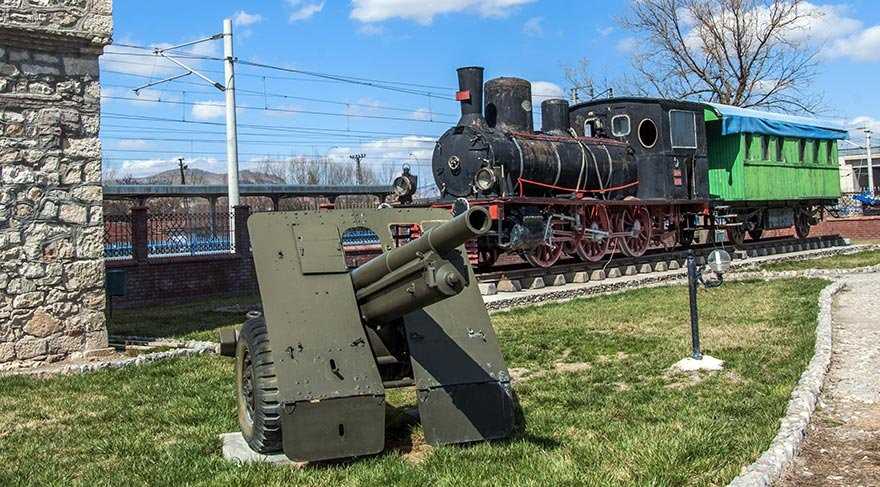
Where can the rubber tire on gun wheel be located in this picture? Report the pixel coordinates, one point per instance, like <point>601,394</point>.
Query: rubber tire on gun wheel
<point>260,421</point>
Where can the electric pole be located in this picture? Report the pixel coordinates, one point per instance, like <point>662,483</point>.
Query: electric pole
<point>870,162</point>
<point>182,167</point>
<point>357,158</point>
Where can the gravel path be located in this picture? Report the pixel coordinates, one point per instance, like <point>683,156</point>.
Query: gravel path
<point>842,446</point>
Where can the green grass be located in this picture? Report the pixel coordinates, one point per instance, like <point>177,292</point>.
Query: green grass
<point>197,320</point>
<point>847,261</point>
<point>622,421</point>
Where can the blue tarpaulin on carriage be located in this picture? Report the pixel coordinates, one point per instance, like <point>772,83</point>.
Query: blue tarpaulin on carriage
<point>736,120</point>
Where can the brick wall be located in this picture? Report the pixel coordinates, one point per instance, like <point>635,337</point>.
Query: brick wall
<point>51,230</point>
<point>174,280</point>
<point>860,228</point>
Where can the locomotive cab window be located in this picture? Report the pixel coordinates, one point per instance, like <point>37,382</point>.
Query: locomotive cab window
<point>620,125</point>
<point>683,129</point>
<point>647,133</point>
<point>588,128</point>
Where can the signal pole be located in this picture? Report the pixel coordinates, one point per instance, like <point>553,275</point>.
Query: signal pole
<point>231,127</point>
<point>357,158</point>
<point>182,167</point>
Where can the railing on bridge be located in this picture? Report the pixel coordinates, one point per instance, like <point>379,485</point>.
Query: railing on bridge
<point>188,233</point>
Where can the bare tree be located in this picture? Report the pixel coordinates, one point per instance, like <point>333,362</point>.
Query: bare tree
<point>748,53</point>
<point>583,86</point>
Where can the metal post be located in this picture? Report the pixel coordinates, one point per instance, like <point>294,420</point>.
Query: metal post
<point>231,127</point>
<point>870,163</point>
<point>693,283</point>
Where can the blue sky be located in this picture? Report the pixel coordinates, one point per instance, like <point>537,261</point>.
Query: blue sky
<point>401,41</point>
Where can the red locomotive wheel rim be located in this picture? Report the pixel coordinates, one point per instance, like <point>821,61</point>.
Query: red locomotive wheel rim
<point>636,219</point>
<point>590,249</point>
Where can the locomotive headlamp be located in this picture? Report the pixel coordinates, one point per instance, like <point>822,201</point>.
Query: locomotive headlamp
<point>484,180</point>
<point>402,186</point>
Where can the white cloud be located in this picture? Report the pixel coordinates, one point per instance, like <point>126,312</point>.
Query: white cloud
<point>130,144</point>
<point>627,45</point>
<point>364,106</point>
<point>208,110</point>
<point>371,30</point>
<point>148,167</point>
<point>545,90</point>
<point>862,46</point>
<point>605,31</point>
<point>422,114</point>
<point>533,27</point>
<point>387,151</point>
<point>857,128</point>
<point>304,10</point>
<point>244,19</point>
<point>424,11</point>
<point>145,98</point>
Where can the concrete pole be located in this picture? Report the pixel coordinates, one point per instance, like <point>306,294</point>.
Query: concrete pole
<point>231,127</point>
<point>870,163</point>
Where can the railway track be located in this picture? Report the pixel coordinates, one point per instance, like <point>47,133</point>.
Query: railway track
<point>517,277</point>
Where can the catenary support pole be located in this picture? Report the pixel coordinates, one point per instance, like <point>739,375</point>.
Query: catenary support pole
<point>870,162</point>
<point>231,127</point>
<point>693,283</point>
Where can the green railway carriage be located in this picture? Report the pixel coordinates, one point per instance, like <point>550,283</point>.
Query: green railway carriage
<point>769,170</point>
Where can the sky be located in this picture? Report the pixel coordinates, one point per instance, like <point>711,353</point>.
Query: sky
<point>410,46</point>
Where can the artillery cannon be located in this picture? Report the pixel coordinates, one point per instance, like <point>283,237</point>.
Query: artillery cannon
<point>311,373</point>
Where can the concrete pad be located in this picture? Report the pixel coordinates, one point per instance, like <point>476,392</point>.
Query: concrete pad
<point>580,277</point>
<point>488,289</point>
<point>630,270</point>
<point>751,253</point>
<point>509,286</point>
<point>692,365</point>
<point>558,280</point>
<point>597,275</point>
<point>762,252</point>
<point>740,254</point>
<point>613,273</point>
<point>660,267</point>
<point>535,283</point>
<point>674,265</point>
<point>847,241</point>
<point>235,449</point>
<point>645,268</point>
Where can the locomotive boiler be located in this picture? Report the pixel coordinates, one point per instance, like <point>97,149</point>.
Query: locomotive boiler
<point>498,152</point>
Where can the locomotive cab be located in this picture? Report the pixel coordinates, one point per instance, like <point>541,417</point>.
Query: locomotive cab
<point>667,139</point>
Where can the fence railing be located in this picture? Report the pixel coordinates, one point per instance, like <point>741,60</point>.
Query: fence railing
<point>187,233</point>
<point>117,237</point>
<point>849,206</point>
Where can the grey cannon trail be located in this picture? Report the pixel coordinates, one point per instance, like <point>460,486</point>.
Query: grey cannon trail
<point>311,373</point>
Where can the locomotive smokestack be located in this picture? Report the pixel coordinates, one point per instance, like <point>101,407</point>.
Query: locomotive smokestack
<point>509,104</point>
<point>470,94</point>
<point>554,117</point>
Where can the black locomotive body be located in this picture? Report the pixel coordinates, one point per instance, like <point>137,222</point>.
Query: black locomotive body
<point>589,183</point>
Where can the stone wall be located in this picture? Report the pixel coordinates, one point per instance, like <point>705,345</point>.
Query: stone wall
<point>51,231</point>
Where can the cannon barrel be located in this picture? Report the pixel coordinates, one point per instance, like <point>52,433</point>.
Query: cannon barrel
<point>417,274</point>
<point>440,239</point>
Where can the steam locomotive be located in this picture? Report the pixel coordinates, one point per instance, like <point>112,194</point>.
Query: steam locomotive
<point>594,181</point>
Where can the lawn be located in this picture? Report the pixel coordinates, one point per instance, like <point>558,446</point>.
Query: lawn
<point>845,261</point>
<point>197,320</point>
<point>599,406</point>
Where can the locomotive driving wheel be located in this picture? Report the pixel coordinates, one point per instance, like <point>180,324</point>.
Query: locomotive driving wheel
<point>636,222</point>
<point>592,246</point>
<point>736,235</point>
<point>547,252</point>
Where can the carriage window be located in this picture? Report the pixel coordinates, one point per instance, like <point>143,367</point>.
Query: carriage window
<point>802,150</point>
<point>765,148</point>
<point>829,152</point>
<point>647,133</point>
<point>815,144</point>
<point>683,129</point>
<point>750,139</point>
<point>779,143</point>
<point>620,125</point>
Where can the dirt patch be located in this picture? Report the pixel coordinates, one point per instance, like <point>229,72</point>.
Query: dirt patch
<point>522,374</point>
<point>617,357</point>
<point>571,367</point>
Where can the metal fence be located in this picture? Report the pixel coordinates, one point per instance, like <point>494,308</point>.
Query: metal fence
<point>849,206</point>
<point>117,237</point>
<point>187,233</point>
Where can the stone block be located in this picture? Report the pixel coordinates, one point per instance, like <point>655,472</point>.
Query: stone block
<point>558,280</point>
<point>509,286</point>
<point>42,324</point>
<point>81,66</point>
<point>8,70</point>
<point>630,270</point>
<point>488,288</point>
<point>44,57</point>
<point>73,213</point>
<point>535,282</point>
<point>645,268</point>
<point>28,300</point>
<point>580,277</point>
<point>673,265</point>
<point>597,275</point>
<point>613,272</point>
<point>236,450</point>
<point>7,352</point>
<point>38,69</point>
<point>18,55</point>
<point>101,352</point>
<point>660,267</point>
<point>31,348</point>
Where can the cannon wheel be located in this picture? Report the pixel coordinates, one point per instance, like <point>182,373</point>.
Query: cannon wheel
<point>257,388</point>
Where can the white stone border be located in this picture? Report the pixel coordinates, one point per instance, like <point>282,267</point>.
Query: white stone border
<point>193,348</point>
<point>793,426</point>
